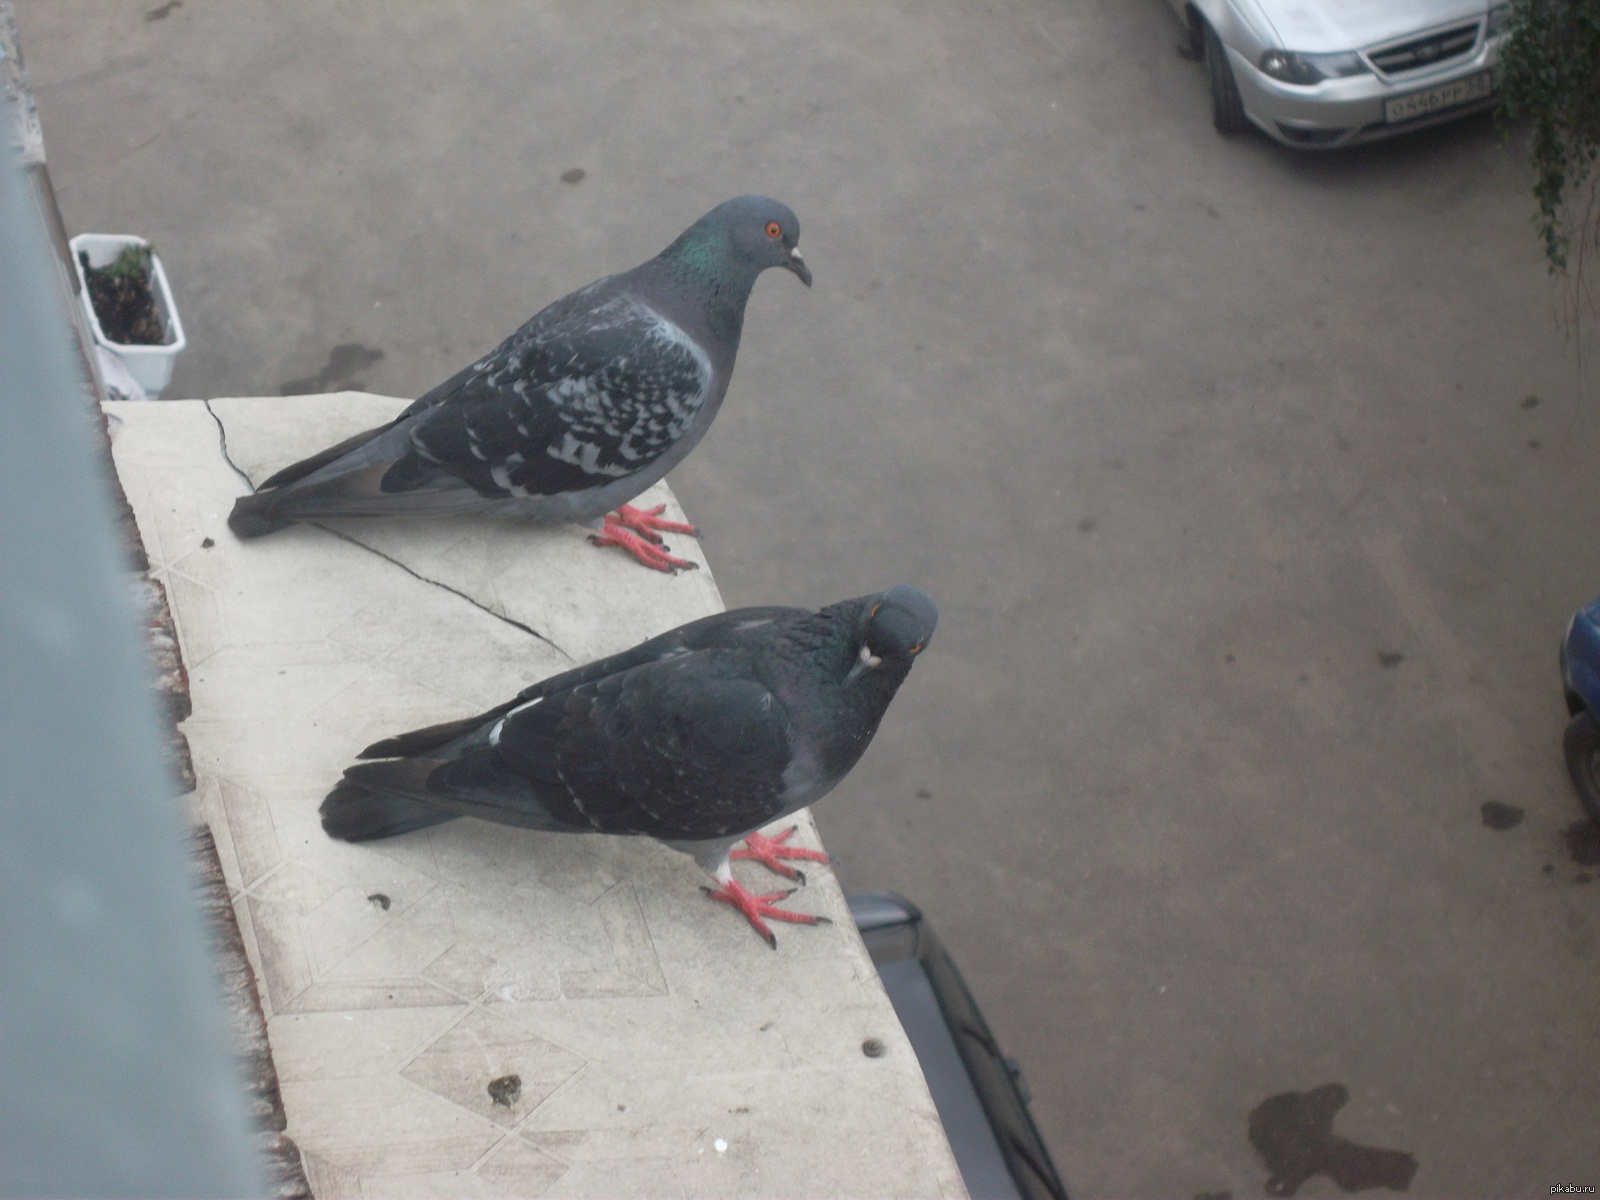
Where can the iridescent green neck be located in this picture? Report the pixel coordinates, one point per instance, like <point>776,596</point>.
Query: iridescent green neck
<point>704,262</point>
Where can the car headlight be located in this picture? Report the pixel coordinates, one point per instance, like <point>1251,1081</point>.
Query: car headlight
<point>1311,68</point>
<point>1499,20</point>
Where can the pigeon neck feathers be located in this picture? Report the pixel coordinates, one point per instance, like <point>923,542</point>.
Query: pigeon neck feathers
<point>818,653</point>
<point>703,265</point>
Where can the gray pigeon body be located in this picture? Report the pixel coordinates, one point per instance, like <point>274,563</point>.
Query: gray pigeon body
<point>592,401</point>
<point>697,737</point>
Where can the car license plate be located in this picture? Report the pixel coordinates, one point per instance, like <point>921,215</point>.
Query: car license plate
<point>1446,95</point>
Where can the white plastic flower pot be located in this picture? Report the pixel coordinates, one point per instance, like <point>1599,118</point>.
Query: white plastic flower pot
<point>150,366</point>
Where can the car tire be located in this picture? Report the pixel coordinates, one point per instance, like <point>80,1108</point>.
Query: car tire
<point>1227,109</point>
<point>1581,745</point>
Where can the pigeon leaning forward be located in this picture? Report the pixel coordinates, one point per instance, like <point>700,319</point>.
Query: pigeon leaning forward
<point>591,402</point>
<point>697,738</point>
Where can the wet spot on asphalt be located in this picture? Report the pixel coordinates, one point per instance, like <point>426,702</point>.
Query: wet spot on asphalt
<point>338,374</point>
<point>1293,1134</point>
<point>1502,816</point>
<point>1583,842</point>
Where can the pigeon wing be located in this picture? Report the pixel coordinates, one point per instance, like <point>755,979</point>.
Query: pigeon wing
<point>739,627</point>
<point>568,403</point>
<point>688,747</point>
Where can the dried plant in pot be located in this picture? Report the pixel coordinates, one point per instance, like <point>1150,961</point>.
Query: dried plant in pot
<point>129,304</point>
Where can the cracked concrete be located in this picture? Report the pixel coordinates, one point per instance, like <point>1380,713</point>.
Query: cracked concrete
<point>548,583</point>
<point>222,439</point>
<point>660,1046</point>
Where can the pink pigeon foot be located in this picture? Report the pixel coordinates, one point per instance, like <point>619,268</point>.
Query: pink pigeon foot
<point>634,529</point>
<point>754,907</point>
<point>645,521</point>
<point>769,850</point>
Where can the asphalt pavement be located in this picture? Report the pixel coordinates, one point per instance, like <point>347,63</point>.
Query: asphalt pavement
<point>1255,488</point>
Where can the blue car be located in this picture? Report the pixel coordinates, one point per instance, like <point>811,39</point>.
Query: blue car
<point>1580,679</point>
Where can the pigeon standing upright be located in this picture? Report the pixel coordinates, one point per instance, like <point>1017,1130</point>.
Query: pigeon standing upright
<point>698,737</point>
<point>591,402</point>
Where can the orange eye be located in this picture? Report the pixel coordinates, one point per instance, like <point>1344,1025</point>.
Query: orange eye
<point>774,229</point>
<point>915,649</point>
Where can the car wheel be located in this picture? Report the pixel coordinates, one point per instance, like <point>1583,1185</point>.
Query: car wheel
<point>1227,110</point>
<point>1581,743</point>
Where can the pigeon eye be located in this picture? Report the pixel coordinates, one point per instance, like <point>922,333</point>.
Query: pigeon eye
<point>774,229</point>
<point>915,649</point>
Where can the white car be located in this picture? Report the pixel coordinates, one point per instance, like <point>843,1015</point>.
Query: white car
<point>1323,73</point>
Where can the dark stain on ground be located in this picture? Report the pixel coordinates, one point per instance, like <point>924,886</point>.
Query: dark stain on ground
<point>1213,1196</point>
<point>1293,1134</point>
<point>207,543</point>
<point>1548,869</point>
<point>165,11</point>
<point>1390,658</point>
<point>379,899</point>
<point>1087,524</point>
<point>575,175</point>
<point>1530,401</point>
<point>344,363</point>
<point>506,1090</point>
<point>924,794</point>
<point>873,1048</point>
<point>1583,842</point>
<point>1502,816</point>
<point>1533,443</point>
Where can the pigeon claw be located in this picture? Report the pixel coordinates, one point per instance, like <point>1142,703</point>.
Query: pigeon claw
<point>754,907</point>
<point>645,522</point>
<point>650,552</point>
<point>769,851</point>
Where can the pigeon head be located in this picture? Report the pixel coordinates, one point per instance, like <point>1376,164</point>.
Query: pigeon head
<point>736,241</point>
<point>896,627</point>
<point>764,234</point>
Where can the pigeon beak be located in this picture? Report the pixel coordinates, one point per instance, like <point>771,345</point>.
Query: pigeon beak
<point>798,266</point>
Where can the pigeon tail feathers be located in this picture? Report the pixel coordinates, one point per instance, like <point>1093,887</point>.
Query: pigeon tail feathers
<point>419,741</point>
<point>363,808</point>
<point>295,472</point>
<point>253,517</point>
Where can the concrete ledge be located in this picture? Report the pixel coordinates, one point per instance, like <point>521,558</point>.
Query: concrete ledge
<point>660,1047</point>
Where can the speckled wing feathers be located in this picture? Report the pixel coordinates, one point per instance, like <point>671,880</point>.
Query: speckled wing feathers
<point>578,397</point>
